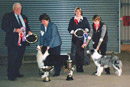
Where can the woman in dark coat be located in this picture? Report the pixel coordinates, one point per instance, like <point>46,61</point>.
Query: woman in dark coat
<point>77,52</point>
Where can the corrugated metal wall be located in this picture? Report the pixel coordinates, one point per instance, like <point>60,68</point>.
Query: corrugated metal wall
<point>60,12</point>
<point>125,30</point>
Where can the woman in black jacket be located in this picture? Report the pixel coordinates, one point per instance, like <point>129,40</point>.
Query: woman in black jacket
<point>77,52</point>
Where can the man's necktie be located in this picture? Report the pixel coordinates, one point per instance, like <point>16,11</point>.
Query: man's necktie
<point>20,23</point>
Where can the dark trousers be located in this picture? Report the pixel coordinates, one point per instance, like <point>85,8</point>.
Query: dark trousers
<point>79,56</point>
<point>102,49</point>
<point>56,51</point>
<point>73,53</point>
<point>15,56</point>
<point>75,50</point>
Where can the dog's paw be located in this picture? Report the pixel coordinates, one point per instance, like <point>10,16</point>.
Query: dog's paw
<point>97,74</point>
<point>118,73</point>
<point>43,76</point>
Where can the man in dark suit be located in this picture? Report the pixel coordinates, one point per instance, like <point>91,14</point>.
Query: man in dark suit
<point>15,24</point>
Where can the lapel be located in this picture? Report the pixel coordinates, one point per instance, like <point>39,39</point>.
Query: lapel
<point>48,27</point>
<point>24,19</point>
<point>15,20</point>
<point>48,31</point>
<point>43,27</point>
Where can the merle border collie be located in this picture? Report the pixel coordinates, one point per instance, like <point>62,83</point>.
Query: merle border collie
<point>105,61</point>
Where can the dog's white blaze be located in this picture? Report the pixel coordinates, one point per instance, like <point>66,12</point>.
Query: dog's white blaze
<point>96,55</point>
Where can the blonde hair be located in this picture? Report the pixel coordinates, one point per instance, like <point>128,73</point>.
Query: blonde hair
<point>78,8</point>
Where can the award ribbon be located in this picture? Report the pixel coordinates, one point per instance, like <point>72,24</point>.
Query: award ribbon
<point>22,36</point>
<point>85,37</point>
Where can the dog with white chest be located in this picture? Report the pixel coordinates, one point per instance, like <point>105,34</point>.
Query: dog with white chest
<point>46,61</point>
<point>105,61</point>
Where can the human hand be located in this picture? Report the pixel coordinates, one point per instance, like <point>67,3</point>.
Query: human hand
<point>72,32</point>
<point>48,47</point>
<point>83,46</point>
<point>97,48</point>
<point>18,30</point>
<point>29,32</point>
<point>86,30</point>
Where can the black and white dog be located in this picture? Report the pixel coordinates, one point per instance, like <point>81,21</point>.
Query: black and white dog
<point>105,61</point>
<point>44,60</point>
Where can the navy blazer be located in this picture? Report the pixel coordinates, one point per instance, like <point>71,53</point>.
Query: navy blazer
<point>51,37</point>
<point>9,23</point>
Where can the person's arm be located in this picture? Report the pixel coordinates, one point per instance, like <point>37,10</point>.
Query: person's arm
<point>54,33</point>
<point>88,39</point>
<point>104,29</point>
<point>27,26</point>
<point>70,27</point>
<point>5,25</point>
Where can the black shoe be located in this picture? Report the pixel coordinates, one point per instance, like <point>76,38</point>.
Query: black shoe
<point>108,73</point>
<point>79,69</point>
<point>19,75</point>
<point>11,79</point>
<point>55,75</point>
<point>107,70</point>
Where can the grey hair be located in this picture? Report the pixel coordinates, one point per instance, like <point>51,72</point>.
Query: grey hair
<point>15,4</point>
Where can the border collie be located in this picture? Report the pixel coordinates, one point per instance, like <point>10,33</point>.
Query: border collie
<point>44,59</point>
<point>105,61</point>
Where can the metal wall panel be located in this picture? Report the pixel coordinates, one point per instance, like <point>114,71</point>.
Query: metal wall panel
<point>125,30</point>
<point>60,12</point>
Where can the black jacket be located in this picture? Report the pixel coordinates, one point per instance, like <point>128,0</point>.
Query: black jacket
<point>82,24</point>
<point>9,23</point>
<point>97,34</point>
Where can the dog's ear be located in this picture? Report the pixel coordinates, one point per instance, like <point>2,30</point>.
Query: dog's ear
<point>43,49</point>
<point>92,51</point>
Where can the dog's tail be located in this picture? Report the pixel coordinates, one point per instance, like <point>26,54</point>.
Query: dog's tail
<point>118,64</point>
